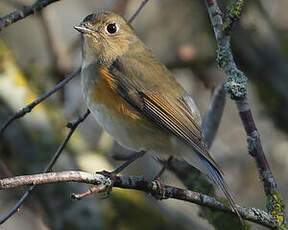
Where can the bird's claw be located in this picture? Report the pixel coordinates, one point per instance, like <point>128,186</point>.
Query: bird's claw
<point>161,194</point>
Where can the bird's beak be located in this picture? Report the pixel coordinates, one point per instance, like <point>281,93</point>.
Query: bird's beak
<point>84,30</point>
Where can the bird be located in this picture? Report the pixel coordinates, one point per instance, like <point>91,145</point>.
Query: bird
<point>137,100</point>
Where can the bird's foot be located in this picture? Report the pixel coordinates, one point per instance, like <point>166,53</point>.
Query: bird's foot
<point>161,194</point>
<point>111,175</point>
<point>164,166</point>
<point>157,180</point>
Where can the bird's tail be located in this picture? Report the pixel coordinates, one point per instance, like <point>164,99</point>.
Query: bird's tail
<point>217,178</point>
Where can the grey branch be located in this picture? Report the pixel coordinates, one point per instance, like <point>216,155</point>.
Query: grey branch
<point>138,183</point>
<point>143,3</point>
<point>213,116</point>
<point>24,12</point>
<point>28,108</point>
<point>236,86</point>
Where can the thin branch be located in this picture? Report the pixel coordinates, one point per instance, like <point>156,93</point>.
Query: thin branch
<point>138,183</point>
<point>236,86</point>
<point>72,126</point>
<point>28,108</point>
<point>213,115</point>
<point>143,3</point>
<point>95,189</point>
<point>23,12</point>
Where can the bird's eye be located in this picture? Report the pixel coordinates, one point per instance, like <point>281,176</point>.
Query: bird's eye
<point>112,28</point>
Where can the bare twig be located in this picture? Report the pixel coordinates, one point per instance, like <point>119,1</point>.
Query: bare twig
<point>72,126</point>
<point>236,86</point>
<point>95,189</point>
<point>104,184</point>
<point>28,108</point>
<point>143,3</point>
<point>23,12</point>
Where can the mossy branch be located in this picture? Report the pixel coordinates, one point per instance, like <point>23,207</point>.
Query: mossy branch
<point>236,86</point>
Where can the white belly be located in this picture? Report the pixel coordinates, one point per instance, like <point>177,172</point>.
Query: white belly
<point>118,129</point>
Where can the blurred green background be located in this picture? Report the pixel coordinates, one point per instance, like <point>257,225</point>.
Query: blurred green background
<point>37,52</point>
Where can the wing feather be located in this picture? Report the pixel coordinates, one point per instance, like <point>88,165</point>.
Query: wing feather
<point>167,112</point>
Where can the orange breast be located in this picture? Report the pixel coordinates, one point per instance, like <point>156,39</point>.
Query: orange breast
<point>104,92</point>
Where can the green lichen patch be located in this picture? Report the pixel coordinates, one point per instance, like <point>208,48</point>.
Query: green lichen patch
<point>236,84</point>
<point>233,15</point>
<point>275,207</point>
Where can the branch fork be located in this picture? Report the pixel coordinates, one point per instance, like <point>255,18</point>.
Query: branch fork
<point>104,184</point>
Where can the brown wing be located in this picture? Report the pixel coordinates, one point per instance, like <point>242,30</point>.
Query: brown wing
<point>166,111</point>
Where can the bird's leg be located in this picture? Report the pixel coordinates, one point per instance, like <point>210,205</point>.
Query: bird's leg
<point>124,165</point>
<point>128,162</point>
<point>164,167</point>
<point>159,174</point>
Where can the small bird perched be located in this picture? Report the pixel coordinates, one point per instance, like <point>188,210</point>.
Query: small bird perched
<point>136,99</point>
